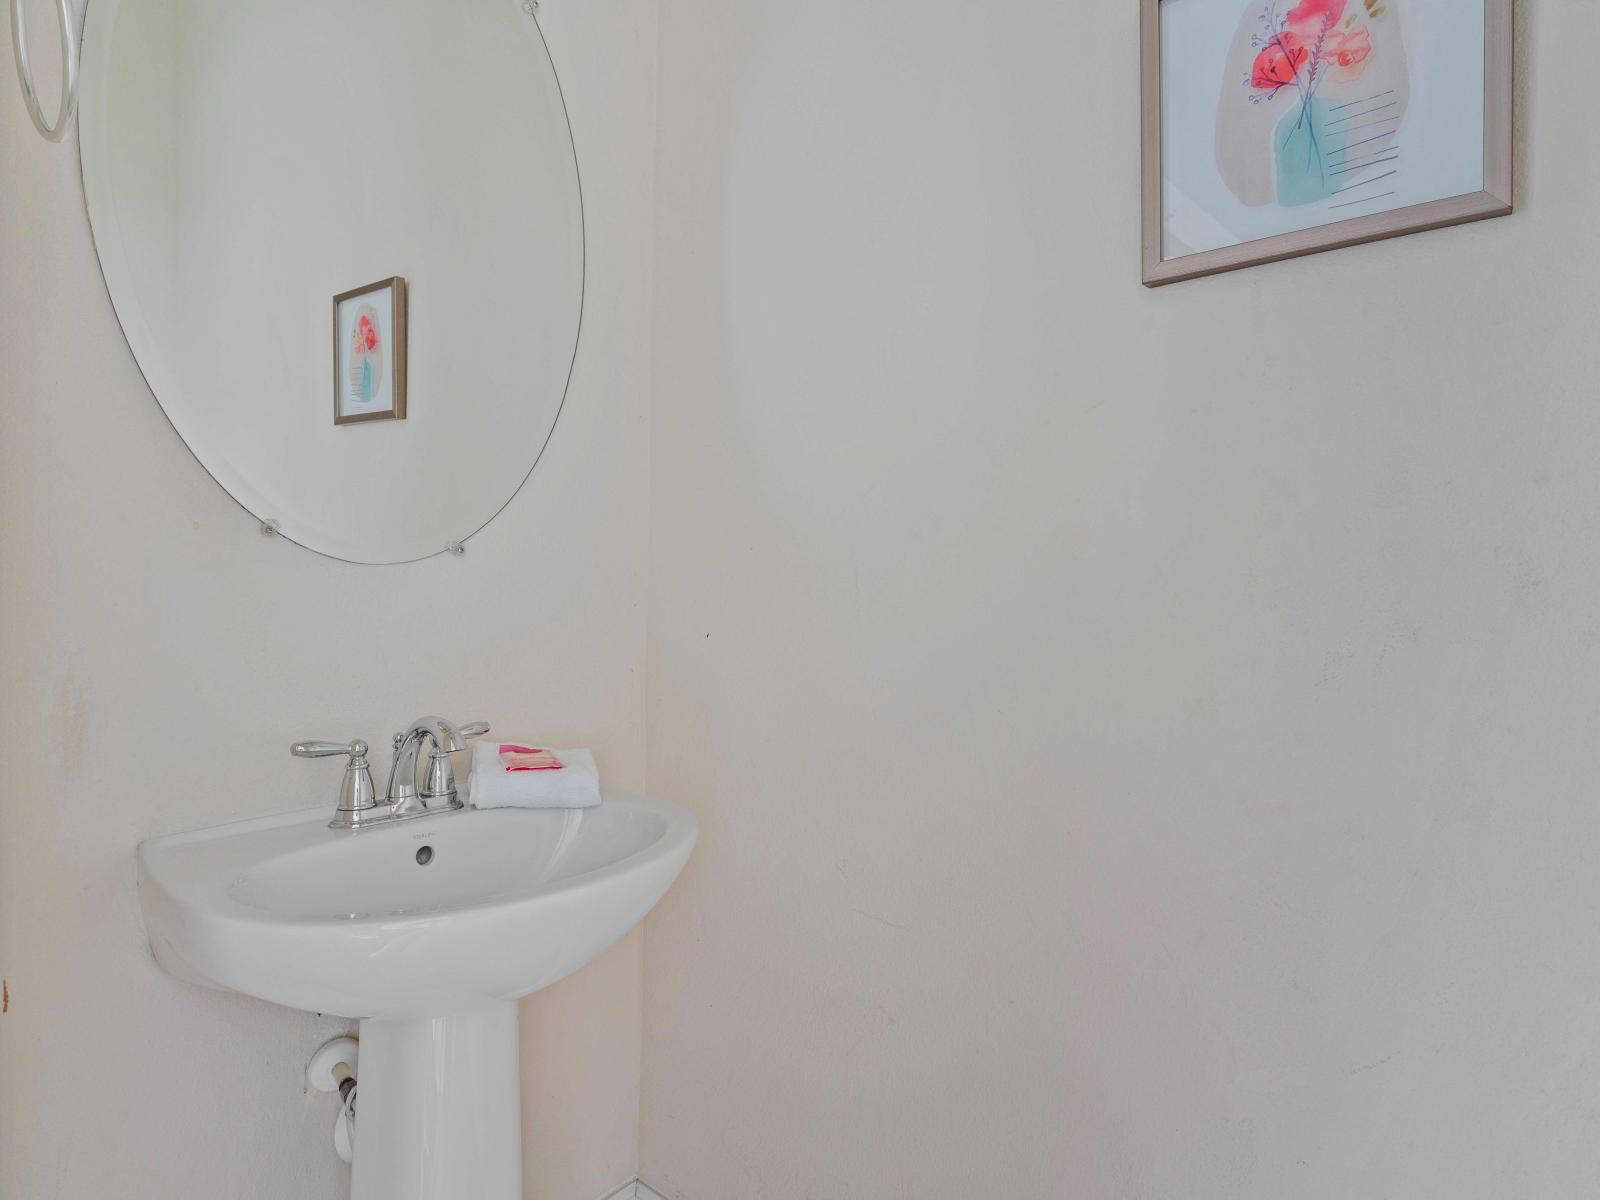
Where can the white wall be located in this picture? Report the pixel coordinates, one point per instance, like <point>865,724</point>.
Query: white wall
<point>1145,742</point>
<point>1142,739</point>
<point>157,656</point>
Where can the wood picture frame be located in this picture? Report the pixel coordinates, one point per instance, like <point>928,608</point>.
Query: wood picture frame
<point>1493,199</point>
<point>369,353</point>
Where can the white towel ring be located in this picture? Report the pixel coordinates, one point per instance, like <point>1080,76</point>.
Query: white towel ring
<point>69,69</point>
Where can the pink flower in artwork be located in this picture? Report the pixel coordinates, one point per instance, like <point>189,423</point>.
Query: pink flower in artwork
<point>1315,40</point>
<point>1347,53</point>
<point>1278,63</point>
<point>1312,17</point>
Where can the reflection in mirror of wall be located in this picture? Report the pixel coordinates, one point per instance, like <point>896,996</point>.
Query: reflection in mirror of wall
<point>235,196</point>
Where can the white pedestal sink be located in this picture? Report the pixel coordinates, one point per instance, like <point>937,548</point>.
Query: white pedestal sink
<point>428,931</point>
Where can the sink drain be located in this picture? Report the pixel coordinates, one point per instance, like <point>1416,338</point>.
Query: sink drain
<point>424,856</point>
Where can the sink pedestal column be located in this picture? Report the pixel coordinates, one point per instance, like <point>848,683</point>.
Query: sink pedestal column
<point>439,1108</point>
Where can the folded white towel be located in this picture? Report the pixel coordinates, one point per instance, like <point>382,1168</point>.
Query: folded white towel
<point>518,775</point>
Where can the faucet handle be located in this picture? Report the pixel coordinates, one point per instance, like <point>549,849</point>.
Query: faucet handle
<point>358,796</point>
<point>441,783</point>
<point>355,749</point>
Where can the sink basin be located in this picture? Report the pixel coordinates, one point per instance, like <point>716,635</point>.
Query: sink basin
<point>509,901</point>
<point>428,931</point>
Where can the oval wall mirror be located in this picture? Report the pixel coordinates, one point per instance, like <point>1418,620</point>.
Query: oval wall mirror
<point>345,243</point>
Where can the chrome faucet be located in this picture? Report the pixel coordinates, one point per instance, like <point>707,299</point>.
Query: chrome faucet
<point>439,789</point>
<point>358,803</point>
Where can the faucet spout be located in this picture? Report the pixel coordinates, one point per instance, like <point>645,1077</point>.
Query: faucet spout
<point>439,790</point>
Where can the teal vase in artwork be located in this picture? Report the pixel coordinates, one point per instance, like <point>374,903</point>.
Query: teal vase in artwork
<point>1308,153</point>
<point>366,381</point>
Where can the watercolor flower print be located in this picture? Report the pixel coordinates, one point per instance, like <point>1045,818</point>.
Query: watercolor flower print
<point>1327,80</point>
<point>366,355</point>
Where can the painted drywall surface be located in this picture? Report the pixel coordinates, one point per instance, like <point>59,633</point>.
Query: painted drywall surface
<point>158,656</point>
<point>1144,741</point>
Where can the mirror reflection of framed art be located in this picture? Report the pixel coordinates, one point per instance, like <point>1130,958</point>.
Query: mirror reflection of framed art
<point>1277,128</point>
<point>369,353</point>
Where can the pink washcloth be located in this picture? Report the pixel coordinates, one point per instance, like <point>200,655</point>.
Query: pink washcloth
<point>526,758</point>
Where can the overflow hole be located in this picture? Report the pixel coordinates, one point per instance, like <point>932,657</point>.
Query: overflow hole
<point>424,856</point>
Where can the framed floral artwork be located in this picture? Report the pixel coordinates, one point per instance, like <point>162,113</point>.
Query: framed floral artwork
<point>1276,128</point>
<point>369,353</point>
